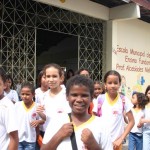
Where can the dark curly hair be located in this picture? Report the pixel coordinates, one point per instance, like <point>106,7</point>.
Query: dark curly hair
<point>2,75</point>
<point>40,75</point>
<point>146,91</point>
<point>141,98</point>
<point>81,81</point>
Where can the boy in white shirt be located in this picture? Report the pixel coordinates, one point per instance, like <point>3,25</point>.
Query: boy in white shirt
<point>8,126</point>
<point>27,118</point>
<point>88,129</point>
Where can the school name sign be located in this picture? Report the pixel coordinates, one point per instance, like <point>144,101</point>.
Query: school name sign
<point>132,60</point>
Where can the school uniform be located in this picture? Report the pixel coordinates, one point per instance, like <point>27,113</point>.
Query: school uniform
<point>112,114</point>
<point>55,104</point>
<point>24,116</point>
<point>39,98</point>
<point>94,124</point>
<point>7,122</point>
<point>12,95</point>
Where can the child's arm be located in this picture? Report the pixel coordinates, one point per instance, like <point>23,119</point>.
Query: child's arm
<point>89,140</point>
<point>65,131</point>
<point>125,118</point>
<point>143,120</point>
<point>40,110</point>
<point>35,123</point>
<point>13,144</point>
<point>130,125</point>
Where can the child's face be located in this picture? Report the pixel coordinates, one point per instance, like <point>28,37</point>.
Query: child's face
<point>26,95</point>
<point>70,74</point>
<point>44,82</point>
<point>79,99</point>
<point>2,87</point>
<point>97,89</point>
<point>8,84</point>
<point>85,73</point>
<point>53,78</point>
<point>112,84</point>
<point>134,99</point>
<point>148,94</point>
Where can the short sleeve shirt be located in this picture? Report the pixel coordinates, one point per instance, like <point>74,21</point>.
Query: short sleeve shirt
<point>7,122</point>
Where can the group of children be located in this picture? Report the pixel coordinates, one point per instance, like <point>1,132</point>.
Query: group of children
<point>68,115</point>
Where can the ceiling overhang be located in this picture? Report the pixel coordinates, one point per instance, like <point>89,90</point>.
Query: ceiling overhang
<point>143,3</point>
<point>125,12</point>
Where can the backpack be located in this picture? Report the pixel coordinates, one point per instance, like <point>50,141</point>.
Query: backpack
<point>101,100</point>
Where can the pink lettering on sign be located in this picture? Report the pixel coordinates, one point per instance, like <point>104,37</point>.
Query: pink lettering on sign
<point>137,53</point>
<point>148,55</point>
<point>120,67</point>
<point>129,59</point>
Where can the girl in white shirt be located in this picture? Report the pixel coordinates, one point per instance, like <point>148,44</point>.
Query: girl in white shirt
<point>135,135</point>
<point>112,109</point>
<point>39,95</point>
<point>55,98</point>
<point>98,89</point>
<point>10,93</point>
<point>42,88</point>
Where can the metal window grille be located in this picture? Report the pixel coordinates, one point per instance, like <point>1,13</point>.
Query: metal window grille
<point>19,20</point>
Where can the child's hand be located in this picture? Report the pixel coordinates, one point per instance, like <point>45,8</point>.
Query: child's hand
<point>141,122</point>
<point>34,123</point>
<point>140,125</point>
<point>87,136</point>
<point>88,139</point>
<point>66,130</point>
<point>117,143</point>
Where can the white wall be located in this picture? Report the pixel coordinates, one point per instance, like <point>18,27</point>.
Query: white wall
<point>132,35</point>
<point>85,7</point>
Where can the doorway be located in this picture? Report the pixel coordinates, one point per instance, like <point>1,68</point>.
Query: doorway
<point>56,47</point>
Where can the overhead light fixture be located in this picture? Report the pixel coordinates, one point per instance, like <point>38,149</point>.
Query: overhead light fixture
<point>127,1</point>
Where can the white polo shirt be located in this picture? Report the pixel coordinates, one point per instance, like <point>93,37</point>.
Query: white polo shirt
<point>94,124</point>
<point>147,116</point>
<point>137,116</point>
<point>7,122</point>
<point>24,117</point>
<point>12,95</point>
<point>112,114</point>
<point>56,104</point>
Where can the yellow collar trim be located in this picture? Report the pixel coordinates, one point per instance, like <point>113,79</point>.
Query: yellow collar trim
<point>136,110</point>
<point>110,101</point>
<point>84,124</point>
<point>147,106</point>
<point>28,109</point>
